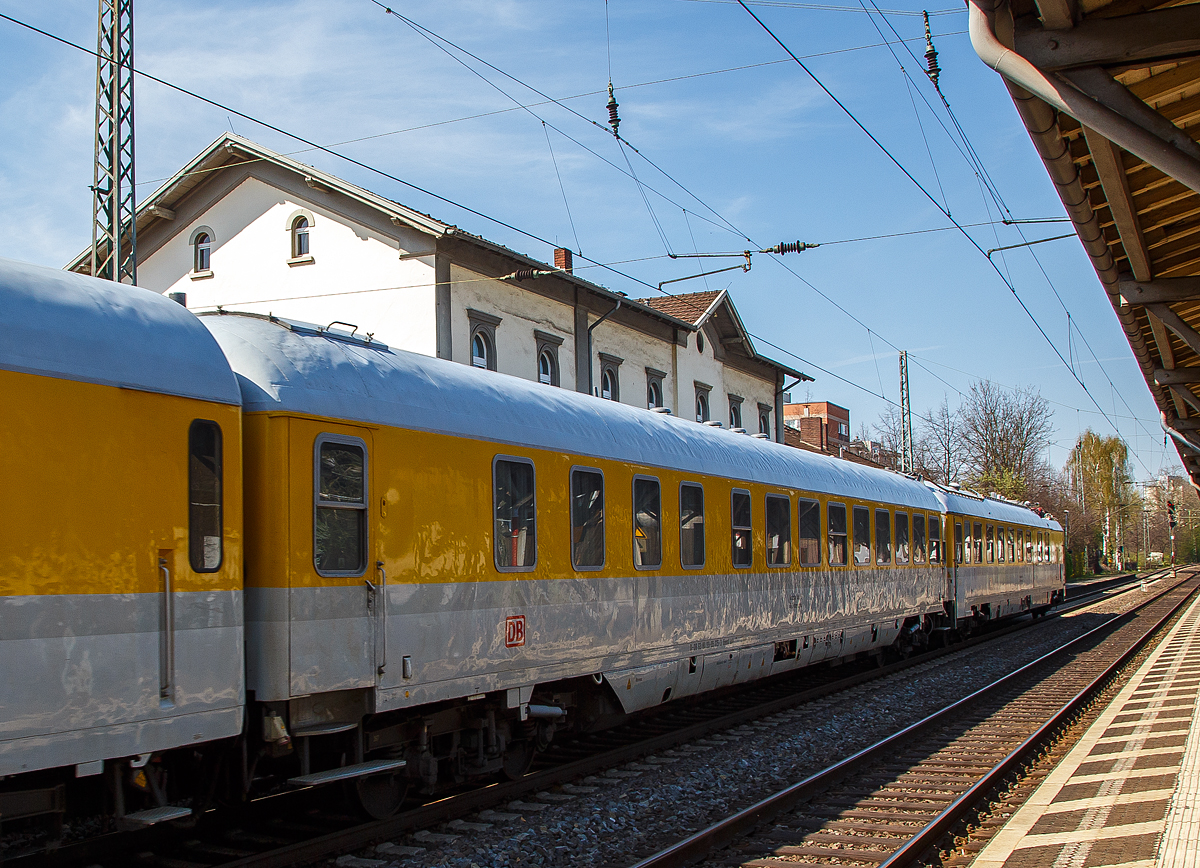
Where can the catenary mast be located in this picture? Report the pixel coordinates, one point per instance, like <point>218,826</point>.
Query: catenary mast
<point>114,230</point>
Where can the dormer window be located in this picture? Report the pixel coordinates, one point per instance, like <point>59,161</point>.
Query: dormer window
<point>298,225</point>
<point>201,242</point>
<point>610,379</point>
<point>481,351</point>
<point>547,369</point>
<point>483,338</point>
<point>202,256</point>
<point>300,245</point>
<point>608,386</point>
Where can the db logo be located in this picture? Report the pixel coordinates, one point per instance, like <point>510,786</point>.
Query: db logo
<point>514,631</point>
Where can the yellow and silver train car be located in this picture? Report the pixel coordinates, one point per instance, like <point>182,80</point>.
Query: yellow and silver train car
<point>441,565</point>
<point>1006,559</point>
<point>121,569</point>
<point>457,560</point>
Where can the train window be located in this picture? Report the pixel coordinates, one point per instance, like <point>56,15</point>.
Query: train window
<point>901,538</point>
<point>935,540</point>
<point>836,515</point>
<point>647,523</point>
<point>1029,547</point>
<point>862,536</point>
<point>1040,558</point>
<point>340,511</point>
<point>742,543</point>
<point>918,542</point>
<point>691,525</point>
<point>991,544</point>
<point>977,542</point>
<point>779,530</point>
<point>587,518</point>
<point>810,534</point>
<point>1009,543</point>
<point>205,542</point>
<point>1000,544</point>
<point>883,536</point>
<point>958,544</point>
<point>516,514</point>
<point>1020,547</point>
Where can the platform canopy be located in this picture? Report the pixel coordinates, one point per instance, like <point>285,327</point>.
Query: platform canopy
<point>1109,91</point>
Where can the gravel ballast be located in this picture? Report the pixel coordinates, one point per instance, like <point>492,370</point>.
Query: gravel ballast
<point>615,818</point>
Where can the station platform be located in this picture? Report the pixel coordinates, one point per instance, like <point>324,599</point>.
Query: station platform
<point>1128,794</point>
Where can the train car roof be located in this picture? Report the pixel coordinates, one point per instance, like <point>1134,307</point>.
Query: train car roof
<point>293,367</point>
<point>990,508</point>
<point>72,327</point>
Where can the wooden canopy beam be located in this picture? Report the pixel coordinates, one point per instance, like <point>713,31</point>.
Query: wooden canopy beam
<point>1057,14</point>
<point>1146,36</point>
<point>1177,377</point>
<point>1165,290</point>
<point>1175,323</point>
<point>1184,394</point>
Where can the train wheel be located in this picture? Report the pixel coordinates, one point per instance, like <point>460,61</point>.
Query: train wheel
<point>518,758</point>
<point>379,796</point>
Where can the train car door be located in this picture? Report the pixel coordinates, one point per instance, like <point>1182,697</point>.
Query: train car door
<point>956,559</point>
<point>335,601</point>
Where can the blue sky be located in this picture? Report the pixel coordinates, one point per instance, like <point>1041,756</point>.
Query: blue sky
<point>756,145</point>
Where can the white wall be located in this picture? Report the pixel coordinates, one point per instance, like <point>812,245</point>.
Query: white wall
<point>356,277</point>
<point>521,313</point>
<point>252,245</point>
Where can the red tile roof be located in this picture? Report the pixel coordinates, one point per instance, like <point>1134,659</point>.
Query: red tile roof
<point>688,307</point>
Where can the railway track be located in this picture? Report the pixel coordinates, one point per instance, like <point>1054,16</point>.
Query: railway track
<point>297,830</point>
<point>894,802</point>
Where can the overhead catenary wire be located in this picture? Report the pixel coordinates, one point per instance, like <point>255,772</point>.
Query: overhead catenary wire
<point>585,95</point>
<point>315,146</point>
<point>985,179</point>
<point>828,7</point>
<point>1008,283</point>
<point>566,204</point>
<point>329,151</point>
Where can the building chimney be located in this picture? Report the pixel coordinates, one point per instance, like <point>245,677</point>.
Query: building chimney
<point>562,259</point>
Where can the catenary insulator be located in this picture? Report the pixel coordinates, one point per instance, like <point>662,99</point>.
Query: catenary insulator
<point>791,247</point>
<point>527,274</point>
<point>933,70</point>
<point>614,119</point>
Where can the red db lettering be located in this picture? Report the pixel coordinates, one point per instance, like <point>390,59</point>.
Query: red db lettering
<point>514,631</point>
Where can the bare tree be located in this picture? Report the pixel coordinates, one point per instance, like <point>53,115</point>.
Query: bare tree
<point>888,434</point>
<point>939,445</point>
<point>1003,434</point>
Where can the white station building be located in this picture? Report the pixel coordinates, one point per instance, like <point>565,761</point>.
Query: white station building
<point>245,228</point>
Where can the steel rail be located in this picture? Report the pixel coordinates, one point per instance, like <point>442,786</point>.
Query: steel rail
<point>916,847</point>
<point>699,844</point>
<point>462,804</point>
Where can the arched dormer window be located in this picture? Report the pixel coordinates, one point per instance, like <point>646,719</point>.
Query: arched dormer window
<point>654,397</point>
<point>202,258</point>
<point>547,370</point>
<point>300,247</point>
<point>481,351</point>
<point>298,226</point>
<point>608,385</point>
<point>201,242</point>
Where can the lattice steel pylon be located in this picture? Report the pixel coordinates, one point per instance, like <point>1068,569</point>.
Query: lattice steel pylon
<point>907,462</point>
<point>114,228</point>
